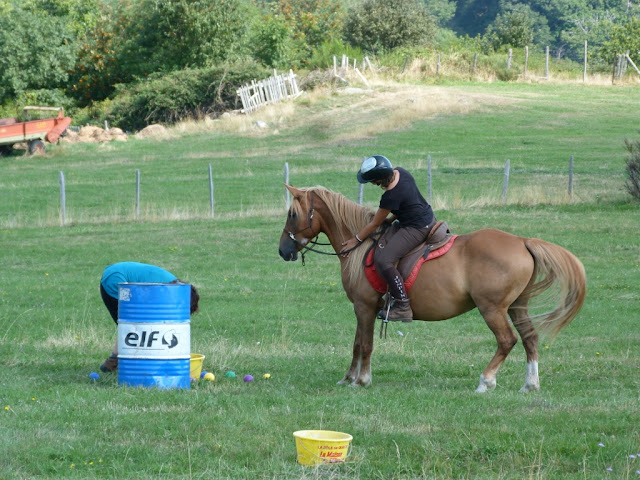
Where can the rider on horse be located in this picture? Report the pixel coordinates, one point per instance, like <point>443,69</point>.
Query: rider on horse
<point>403,200</point>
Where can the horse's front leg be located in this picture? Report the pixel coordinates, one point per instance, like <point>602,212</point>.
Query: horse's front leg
<point>359,373</point>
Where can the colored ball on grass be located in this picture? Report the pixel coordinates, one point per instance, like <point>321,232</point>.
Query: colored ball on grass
<point>209,376</point>
<point>248,378</point>
<point>94,376</point>
<point>203,374</point>
<point>230,374</point>
<point>266,376</point>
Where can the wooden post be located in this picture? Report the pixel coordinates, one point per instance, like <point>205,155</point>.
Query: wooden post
<point>137,193</point>
<point>584,70</point>
<point>438,66</point>
<point>287,194</point>
<point>335,66</point>
<point>406,60</point>
<point>212,202</point>
<point>526,60</point>
<point>546,63</point>
<point>429,179</point>
<point>571,176</point>
<point>63,199</point>
<point>505,182</point>
<point>475,63</point>
<point>509,59</point>
<point>632,64</point>
<point>360,193</point>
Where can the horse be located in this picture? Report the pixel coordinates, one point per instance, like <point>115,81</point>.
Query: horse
<point>491,270</point>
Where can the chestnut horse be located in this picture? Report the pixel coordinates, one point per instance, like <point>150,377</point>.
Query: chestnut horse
<point>493,271</point>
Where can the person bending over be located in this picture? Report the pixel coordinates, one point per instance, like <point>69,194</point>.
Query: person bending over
<point>132,272</point>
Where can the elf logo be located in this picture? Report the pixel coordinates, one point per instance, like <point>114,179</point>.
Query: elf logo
<point>132,339</point>
<point>154,340</point>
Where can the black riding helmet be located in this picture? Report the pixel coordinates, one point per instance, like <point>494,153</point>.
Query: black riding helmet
<point>377,167</point>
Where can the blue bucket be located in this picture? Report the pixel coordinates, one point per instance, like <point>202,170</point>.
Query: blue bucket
<point>154,337</point>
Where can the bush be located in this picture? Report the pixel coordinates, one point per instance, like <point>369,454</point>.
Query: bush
<point>191,93</point>
<point>632,169</point>
<point>323,56</point>
<point>379,26</point>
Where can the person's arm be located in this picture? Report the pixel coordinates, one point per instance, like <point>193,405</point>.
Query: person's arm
<point>368,229</point>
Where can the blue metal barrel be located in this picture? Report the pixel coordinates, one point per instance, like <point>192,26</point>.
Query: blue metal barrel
<point>154,337</point>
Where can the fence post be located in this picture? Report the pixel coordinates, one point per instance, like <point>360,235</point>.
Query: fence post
<point>475,63</point>
<point>360,193</point>
<point>438,66</point>
<point>212,202</point>
<point>137,193</point>
<point>571,176</point>
<point>286,181</point>
<point>505,182</point>
<point>584,70</point>
<point>546,63</point>
<point>406,60</point>
<point>526,60</point>
<point>63,200</point>
<point>429,179</point>
<point>509,59</point>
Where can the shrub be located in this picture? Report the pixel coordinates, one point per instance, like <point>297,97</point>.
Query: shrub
<point>190,93</point>
<point>632,169</point>
<point>379,26</point>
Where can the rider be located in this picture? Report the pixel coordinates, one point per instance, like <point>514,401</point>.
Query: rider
<point>404,201</point>
<point>132,272</point>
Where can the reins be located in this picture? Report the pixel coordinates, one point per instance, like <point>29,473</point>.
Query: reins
<point>306,248</point>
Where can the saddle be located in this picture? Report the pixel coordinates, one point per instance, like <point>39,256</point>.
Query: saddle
<point>440,236</point>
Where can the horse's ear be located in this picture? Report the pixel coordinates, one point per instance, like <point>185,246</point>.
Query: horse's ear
<point>296,192</point>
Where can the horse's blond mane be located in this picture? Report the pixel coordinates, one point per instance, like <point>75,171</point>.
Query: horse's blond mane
<point>345,213</point>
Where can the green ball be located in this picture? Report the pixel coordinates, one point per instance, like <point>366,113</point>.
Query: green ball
<point>230,374</point>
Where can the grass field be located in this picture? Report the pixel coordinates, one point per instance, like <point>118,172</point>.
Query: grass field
<point>421,417</point>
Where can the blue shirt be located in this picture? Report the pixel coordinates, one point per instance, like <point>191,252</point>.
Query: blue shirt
<point>133,272</point>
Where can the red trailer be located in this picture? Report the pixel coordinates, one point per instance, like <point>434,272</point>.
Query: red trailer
<point>34,132</point>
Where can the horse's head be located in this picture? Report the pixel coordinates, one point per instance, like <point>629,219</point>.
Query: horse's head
<point>301,226</point>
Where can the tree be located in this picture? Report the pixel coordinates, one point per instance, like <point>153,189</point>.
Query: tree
<point>518,26</point>
<point>312,22</point>
<point>442,10</point>
<point>624,38</point>
<point>36,50</point>
<point>138,37</point>
<point>382,25</point>
<point>273,40</point>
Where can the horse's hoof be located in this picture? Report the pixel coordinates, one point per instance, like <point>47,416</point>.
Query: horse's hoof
<point>346,381</point>
<point>530,388</point>
<point>486,384</point>
<point>361,383</point>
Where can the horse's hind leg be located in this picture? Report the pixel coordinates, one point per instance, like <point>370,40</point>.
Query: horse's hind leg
<point>496,319</point>
<point>520,317</point>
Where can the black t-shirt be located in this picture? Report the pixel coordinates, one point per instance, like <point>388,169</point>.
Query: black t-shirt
<point>407,203</point>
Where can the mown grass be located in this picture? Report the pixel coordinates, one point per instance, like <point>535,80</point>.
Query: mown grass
<point>421,418</point>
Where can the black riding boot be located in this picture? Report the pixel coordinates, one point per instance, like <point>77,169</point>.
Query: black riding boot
<point>400,307</point>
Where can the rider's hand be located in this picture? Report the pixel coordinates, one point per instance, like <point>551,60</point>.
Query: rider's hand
<point>348,245</point>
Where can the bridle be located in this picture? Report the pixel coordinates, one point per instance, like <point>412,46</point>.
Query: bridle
<point>314,235</point>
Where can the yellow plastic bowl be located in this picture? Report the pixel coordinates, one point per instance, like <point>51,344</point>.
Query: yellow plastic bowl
<point>316,447</point>
<point>196,365</point>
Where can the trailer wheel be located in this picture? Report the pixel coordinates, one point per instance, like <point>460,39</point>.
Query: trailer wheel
<point>36,147</point>
<point>6,150</point>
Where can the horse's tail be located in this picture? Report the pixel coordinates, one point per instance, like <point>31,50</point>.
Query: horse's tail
<point>555,265</point>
